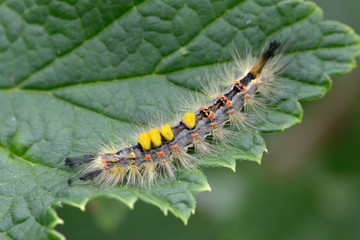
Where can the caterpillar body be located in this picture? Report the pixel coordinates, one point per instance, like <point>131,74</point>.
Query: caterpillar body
<point>160,151</point>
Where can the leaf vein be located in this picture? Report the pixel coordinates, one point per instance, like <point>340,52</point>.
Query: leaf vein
<point>20,83</point>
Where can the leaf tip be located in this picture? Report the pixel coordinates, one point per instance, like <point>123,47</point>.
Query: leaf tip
<point>59,221</point>
<point>185,220</point>
<point>131,206</point>
<point>165,211</point>
<point>82,208</point>
<point>52,234</point>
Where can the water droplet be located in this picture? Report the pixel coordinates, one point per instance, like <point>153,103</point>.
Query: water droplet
<point>248,21</point>
<point>13,119</point>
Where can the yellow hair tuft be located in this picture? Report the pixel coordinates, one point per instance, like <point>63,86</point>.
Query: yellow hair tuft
<point>189,119</point>
<point>166,132</point>
<point>145,140</point>
<point>155,137</point>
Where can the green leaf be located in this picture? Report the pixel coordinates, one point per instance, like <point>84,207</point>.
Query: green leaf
<point>72,71</point>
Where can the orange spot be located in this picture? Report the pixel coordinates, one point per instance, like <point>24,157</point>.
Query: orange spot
<point>213,125</point>
<point>160,154</point>
<point>220,96</point>
<point>259,83</point>
<point>104,163</point>
<point>175,147</point>
<point>225,98</point>
<point>132,162</point>
<point>231,112</point>
<point>236,82</point>
<point>132,155</point>
<point>147,157</point>
<point>211,115</point>
<point>241,85</point>
<point>164,161</point>
<point>203,108</point>
<point>228,104</point>
<point>133,166</point>
<point>246,96</point>
<point>244,90</point>
<point>195,135</point>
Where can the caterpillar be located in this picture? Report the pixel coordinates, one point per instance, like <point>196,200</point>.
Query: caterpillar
<point>160,151</point>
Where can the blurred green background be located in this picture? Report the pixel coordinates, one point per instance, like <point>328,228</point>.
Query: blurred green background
<point>308,186</point>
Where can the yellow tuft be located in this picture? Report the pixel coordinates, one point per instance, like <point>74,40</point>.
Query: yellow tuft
<point>166,132</point>
<point>189,119</point>
<point>144,140</point>
<point>155,137</point>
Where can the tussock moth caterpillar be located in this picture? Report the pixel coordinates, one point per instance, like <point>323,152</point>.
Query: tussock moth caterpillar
<point>250,85</point>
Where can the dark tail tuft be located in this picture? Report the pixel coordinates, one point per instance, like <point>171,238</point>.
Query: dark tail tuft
<point>70,181</point>
<point>90,175</point>
<point>71,161</point>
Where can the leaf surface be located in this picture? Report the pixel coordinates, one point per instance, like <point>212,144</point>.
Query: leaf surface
<point>73,71</point>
